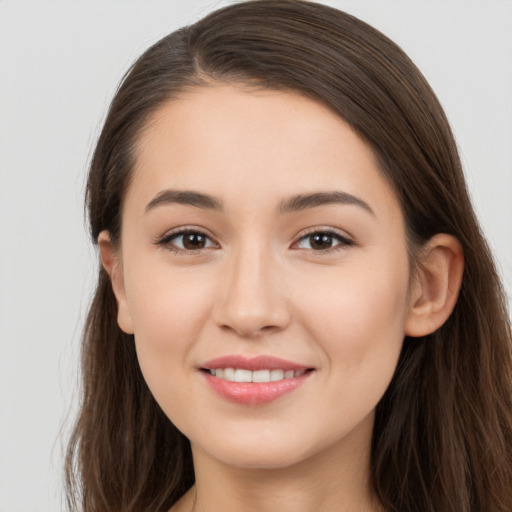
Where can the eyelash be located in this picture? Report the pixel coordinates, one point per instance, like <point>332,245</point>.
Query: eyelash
<point>166,241</point>
<point>343,241</point>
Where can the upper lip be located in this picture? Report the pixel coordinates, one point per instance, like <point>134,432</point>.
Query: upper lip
<point>263,362</point>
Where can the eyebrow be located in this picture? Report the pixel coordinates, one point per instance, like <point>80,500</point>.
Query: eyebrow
<point>296,203</point>
<point>186,197</point>
<point>305,201</point>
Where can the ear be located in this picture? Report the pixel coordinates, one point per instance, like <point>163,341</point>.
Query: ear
<point>435,287</point>
<point>111,261</point>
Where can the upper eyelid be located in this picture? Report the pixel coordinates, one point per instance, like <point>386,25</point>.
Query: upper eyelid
<point>175,232</point>
<point>323,229</point>
<point>345,241</point>
<point>167,241</point>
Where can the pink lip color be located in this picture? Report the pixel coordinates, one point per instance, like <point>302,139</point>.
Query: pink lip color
<point>253,363</point>
<point>253,393</point>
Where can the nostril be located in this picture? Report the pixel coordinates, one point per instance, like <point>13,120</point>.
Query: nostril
<point>247,329</point>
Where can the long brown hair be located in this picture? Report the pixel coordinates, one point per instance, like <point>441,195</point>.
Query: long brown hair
<point>443,431</point>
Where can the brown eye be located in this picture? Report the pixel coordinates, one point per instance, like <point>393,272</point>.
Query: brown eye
<point>320,241</point>
<point>187,241</point>
<point>323,241</point>
<point>193,241</point>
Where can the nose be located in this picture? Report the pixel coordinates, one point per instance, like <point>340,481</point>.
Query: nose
<point>252,301</point>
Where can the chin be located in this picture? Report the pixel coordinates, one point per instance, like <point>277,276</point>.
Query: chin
<point>260,451</point>
<point>261,458</point>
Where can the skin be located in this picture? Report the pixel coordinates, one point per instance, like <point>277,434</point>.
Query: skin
<point>258,286</point>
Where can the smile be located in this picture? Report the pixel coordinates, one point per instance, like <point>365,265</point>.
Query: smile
<point>242,375</point>
<point>255,380</point>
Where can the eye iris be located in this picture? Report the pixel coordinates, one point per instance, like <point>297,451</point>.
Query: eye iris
<point>321,241</point>
<point>194,241</point>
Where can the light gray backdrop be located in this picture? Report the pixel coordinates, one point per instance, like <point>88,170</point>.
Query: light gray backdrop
<point>60,62</point>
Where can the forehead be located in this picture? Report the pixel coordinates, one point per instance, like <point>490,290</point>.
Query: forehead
<point>234,142</point>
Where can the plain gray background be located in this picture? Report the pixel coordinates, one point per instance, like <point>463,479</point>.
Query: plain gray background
<point>60,62</point>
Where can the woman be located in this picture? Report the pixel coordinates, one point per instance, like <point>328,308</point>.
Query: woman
<point>296,308</point>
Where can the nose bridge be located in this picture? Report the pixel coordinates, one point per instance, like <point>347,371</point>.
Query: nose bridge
<point>251,301</point>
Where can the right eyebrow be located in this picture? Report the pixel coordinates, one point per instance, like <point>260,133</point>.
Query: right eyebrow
<point>186,197</point>
<point>305,201</point>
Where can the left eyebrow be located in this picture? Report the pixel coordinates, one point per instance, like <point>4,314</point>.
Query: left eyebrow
<point>305,201</point>
<point>185,197</point>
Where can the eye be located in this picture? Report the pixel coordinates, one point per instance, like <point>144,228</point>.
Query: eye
<point>323,241</point>
<point>187,241</point>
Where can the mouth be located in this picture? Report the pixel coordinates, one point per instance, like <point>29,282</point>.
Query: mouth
<point>258,376</point>
<point>254,381</point>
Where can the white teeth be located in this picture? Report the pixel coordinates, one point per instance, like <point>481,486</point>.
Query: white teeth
<point>261,376</point>
<point>241,375</point>
<point>229,374</point>
<point>276,375</point>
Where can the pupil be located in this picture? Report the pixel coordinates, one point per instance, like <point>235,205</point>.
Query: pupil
<point>321,241</point>
<point>194,241</point>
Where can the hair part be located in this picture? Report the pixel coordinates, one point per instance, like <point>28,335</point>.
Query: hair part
<point>443,431</point>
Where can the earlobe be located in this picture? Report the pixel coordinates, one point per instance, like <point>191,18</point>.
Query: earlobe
<point>436,285</point>
<point>110,259</point>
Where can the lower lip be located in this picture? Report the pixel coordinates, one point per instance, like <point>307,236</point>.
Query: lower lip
<point>254,393</point>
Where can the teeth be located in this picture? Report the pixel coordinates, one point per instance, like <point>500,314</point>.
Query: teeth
<point>261,376</point>
<point>240,375</point>
<point>229,374</point>
<point>243,376</point>
<point>276,375</point>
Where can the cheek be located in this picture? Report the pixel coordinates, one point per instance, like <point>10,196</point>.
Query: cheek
<point>168,311</point>
<point>355,300</point>
<point>358,319</point>
<point>167,303</point>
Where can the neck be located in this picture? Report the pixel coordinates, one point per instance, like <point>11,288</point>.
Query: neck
<point>336,479</point>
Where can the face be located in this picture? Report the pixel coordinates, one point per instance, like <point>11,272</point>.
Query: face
<point>263,269</point>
